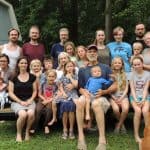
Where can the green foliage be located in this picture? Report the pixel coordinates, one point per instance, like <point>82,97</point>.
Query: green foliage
<point>82,17</point>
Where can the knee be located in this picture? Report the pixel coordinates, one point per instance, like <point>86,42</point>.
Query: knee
<point>30,114</point>
<point>145,111</point>
<point>138,112</point>
<point>80,104</point>
<point>95,104</point>
<point>22,114</point>
<point>125,110</point>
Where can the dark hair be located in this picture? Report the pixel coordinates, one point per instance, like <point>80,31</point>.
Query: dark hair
<point>12,29</point>
<point>6,56</point>
<point>17,71</point>
<point>48,58</point>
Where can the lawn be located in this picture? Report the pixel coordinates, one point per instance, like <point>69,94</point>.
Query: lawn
<point>54,142</point>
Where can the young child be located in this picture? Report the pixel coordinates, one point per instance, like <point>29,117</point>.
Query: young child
<point>139,96</point>
<point>47,93</point>
<point>3,94</point>
<point>137,50</point>
<point>95,83</point>
<point>47,65</point>
<point>119,99</point>
<point>67,106</point>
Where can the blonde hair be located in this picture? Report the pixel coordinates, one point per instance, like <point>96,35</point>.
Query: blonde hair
<point>51,71</point>
<point>83,47</point>
<point>59,56</point>
<point>35,61</point>
<point>121,79</point>
<point>64,30</point>
<point>71,44</point>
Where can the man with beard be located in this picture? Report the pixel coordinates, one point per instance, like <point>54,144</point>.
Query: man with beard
<point>139,33</point>
<point>57,48</point>
<point>99,104</point>
<point>33,49</point>
<point>12,49</point>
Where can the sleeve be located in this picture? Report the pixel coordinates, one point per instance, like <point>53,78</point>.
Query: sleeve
<point>129,51</point>
<point>52,52</point>
<point>32,77</point>
<point>107,82</point>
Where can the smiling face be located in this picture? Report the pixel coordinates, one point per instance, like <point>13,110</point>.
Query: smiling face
<point>92,55</point>
<point>69,49</point>
<point>23,64</point>
<point>81,52</point>
<point>137,64</point>
<point>117,64</point>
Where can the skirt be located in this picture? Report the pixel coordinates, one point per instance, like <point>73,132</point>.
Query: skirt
<point>16,107</point>
<point>67,106</point>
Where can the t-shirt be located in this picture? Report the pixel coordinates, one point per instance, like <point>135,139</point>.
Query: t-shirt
<point>23,90</point>
<point>94,84</point>
<point>123,50</point>
<point>139,81</point>
<point>33,51</point>
<point>55,51</point>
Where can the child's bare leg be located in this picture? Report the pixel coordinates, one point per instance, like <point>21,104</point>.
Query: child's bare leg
<point>87,116</point>
<point>54,110</point>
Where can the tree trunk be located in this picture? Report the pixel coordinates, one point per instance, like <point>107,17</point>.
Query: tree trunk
<point>108,20</point>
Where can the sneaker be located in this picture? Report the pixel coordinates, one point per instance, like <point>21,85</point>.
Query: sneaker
<point>64,135</point>
<point>71,135</point>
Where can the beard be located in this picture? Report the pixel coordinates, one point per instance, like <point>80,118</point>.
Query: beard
<point>92,58</point>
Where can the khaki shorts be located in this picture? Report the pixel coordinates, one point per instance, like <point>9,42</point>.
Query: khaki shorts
<point>102,101</point>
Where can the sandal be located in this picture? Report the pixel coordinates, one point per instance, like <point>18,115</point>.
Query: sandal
<point>81,145</point>
<point>71,135</point>
<point>65,135</point>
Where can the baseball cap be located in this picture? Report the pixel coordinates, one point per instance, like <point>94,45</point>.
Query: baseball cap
<point>92,46</point>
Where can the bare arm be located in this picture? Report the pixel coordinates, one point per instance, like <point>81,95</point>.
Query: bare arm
<point>145,91</point>
<point>34,94</point>
<point>110,90</point>
<point>11,93</point>
<point>133,90</point>
<point>146,67</point>
<point>125,91</point>
<point>1,47</point>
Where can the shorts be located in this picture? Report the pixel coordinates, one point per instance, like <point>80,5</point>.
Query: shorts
<point>139,98</point>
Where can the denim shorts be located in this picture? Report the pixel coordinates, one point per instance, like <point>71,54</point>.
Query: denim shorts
<point>139,98</point>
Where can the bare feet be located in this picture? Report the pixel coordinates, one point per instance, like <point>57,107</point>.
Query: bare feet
<point>138,139</point>
<point>46,130</point>
<point>27,136</point>
<point>32,131</point>
<point>52,122</point>
<point>18,138</point>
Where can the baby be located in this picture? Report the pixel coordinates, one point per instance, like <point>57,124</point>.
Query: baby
<point>93,85</point>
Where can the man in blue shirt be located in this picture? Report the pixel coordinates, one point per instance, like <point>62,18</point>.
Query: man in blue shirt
<point>57,48</point>
<point>98,104</point>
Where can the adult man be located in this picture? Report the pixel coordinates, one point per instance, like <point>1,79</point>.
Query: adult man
<point>139,33</point>
<point>59,47</point>
<point>33,49</point>
<point>99,104</point>
<point>12,49</point>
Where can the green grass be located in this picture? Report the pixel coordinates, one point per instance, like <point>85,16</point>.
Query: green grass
<point>54,142</point>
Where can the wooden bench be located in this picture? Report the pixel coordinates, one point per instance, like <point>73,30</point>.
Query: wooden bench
<point>7,114</point>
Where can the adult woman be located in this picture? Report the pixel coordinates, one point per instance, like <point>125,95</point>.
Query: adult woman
<point>120,48</point>
<point>22,90</point>
<point>103,51</point>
